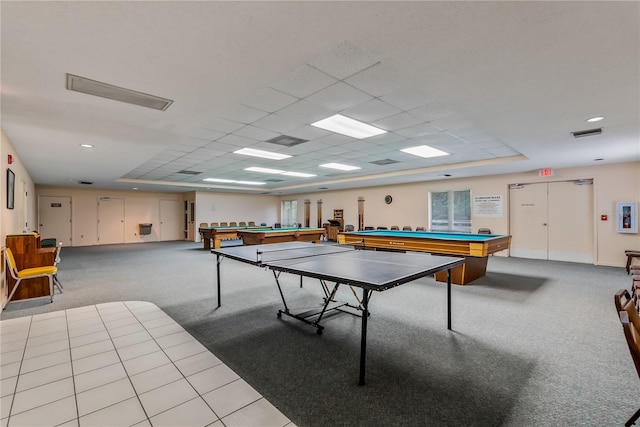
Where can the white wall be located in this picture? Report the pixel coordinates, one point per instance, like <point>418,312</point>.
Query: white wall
<point>217,207</point>
<point>612,183</point>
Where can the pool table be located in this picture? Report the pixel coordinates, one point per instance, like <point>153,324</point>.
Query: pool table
<point>278,235</point>
<point>218,234</point>
<point>475,248</point>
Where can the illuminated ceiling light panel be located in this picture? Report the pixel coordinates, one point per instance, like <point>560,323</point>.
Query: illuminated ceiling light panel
<point>250,182</point>
<point>346,126</point>
<point>339,166</point>
<point>595,119</point>
<point>260,153</point>
<point>226,181</point>
<point>425,151</point>
<point>299,174</point>
<point>263,170</point>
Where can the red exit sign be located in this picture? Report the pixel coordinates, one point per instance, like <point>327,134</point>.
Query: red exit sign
<point>546,172</point>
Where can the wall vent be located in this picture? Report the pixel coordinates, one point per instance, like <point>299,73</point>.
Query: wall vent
<point>588,132</point>
<point>384,162</point>
<point>287,141</point>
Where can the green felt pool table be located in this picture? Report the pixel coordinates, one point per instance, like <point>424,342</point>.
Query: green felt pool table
<point>475,248</point>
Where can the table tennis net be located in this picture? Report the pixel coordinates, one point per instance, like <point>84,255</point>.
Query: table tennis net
<point>266,256</point>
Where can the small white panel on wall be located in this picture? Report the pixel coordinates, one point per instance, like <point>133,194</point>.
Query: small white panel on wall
<point>627,217</point>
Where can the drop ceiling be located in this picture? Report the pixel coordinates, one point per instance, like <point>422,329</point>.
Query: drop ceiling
<point>500,86</point>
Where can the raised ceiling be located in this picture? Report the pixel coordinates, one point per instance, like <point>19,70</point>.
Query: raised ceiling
<point>499,86</point>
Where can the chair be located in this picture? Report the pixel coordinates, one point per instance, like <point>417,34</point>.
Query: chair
<point>233,224</point>
<point>407,228</point>
<point>277,225</point>
<point>484,231</point>
<point>27,273</point>
<point>421,229</point>
<point>214,224</point>
<point>368,228</point>
<point>394,227</point>
<point>630,320</point>
<point>252,223</point>
<point>242,224</point>
<point>204,224</point>
<point>224,224</point>
<point>633,260</point>
<point>349,227</point>
<point>56,261</point>
<point>381,228</point>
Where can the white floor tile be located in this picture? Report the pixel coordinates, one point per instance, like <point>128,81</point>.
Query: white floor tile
<point>15,336</point>
<point>129,319</point>
<point>8,347</point>
<point>145,423</point>
<point>154,378</point>
<point>44,376</point>
<point>260,413</point>
<point>131,339</point>
<point>52,414</point>
<point>103,396</point>
<point>9,370</point>
<point>45,394</point>
<point>192,413</point>
<point>48,348</point>
<point>72,423</point>
<point>137,350</point>
<point>79,324</point>
<point>91,349</point>
<point>45,361</point>
<point>160,321</point>
<point>5,405</point>
<point>11,357</point>
<point>44,339</point>
<point>212,378</point>
<point>161,331</point>
<point>126,413</point>
<point>196,363</point>
<point>181,351</point>
<point>87,329</point>
<point>174,339</point>
<point>166,397</point>
<point>48,316</point>
<point>231,397</point>
<point>89,338</point>
<point>49,327</point>
<point>146,362</point>
<point>8,386</point>
<point>94,362</point>
<point>126,330</point>
<point>99,377</point>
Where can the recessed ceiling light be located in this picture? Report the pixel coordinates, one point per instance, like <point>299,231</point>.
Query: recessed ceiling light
<point>595,119</point>
<point>261,153</point>
<point>86,145</point>
<point>250,182</point>
<point>425,151</point>
<point>134,188</point>
<point>339,166</point>
<point>227,181</point>
<point>299,174</point>
<point>346,126</point>
<point>263,170</point>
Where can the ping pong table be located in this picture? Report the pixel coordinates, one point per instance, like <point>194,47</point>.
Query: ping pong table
<point>369,270</point>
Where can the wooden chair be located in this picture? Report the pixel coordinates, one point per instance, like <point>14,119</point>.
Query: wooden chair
<point>630,320</point>
<point>394,227</point>
<point>224,224</point>
<point>204,224</point>
<point>242,224</point>
<point>633,260</point>
<point>421,229</point>
<point>407,228</point>
<point>368,228</point>
<point>252,223</point>
<point>214,224</point>
<point>484,231</point>
<point>233,224</point>
<point>381,228</point>
<point>27,273</point>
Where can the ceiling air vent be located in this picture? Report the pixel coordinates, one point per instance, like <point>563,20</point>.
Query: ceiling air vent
<point>190,172</point>
<point>85,182</point>
<point>589,132</point>
<point>287,141</point>
<point>105,90</point>
<point>384,162</point>
<point>274,180</point>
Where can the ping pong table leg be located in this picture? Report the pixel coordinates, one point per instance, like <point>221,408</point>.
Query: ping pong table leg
<point>363,338</point>
<point>218,261</point>
<point>449,299</point>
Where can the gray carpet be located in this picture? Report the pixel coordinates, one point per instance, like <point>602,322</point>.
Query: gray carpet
<point>534,343</point>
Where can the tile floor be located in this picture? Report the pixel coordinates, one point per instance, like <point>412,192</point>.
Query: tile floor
<point>119,364</point>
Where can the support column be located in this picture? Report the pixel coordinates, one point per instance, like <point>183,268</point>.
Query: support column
<point>360,213</point>
<point>307,212</point>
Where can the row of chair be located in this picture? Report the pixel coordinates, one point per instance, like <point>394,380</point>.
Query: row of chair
<point>628,307</point>
<point>395,227</point>
<point>228,224</point>
<point>48,271</point>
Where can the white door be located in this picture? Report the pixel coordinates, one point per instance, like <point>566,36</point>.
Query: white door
<point>552,221</point>
<point>170,220</point>
<point>110,221</point>
<point>54,216</point>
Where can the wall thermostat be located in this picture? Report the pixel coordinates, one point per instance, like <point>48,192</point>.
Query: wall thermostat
<point>388,199</point>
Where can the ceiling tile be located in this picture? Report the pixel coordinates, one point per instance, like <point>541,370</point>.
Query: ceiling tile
<point>452,123</point>
<point>270,100</point>
<point>435,110</point>
<point>339,97</point>
<point>237,140</point>
<point>417,131</point>
<point>308,132</point>
<point>371,110</point>
<point>378,80</point>
<point>396,122</point>
<point>222,126</point>
<point>305,112</point>
<point>277,123</point>
<point>343,61</point>
<point>408,98</point>
<point>243,114</point>
<point>256,133</point>
<point>304,81</point>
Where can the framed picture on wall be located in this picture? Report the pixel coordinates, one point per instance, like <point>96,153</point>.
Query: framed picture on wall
<point>11,184</point>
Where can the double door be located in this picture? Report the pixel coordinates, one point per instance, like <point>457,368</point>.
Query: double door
<point>552,221</point>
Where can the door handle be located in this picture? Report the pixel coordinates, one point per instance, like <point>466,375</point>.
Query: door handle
<point>544,223</point>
